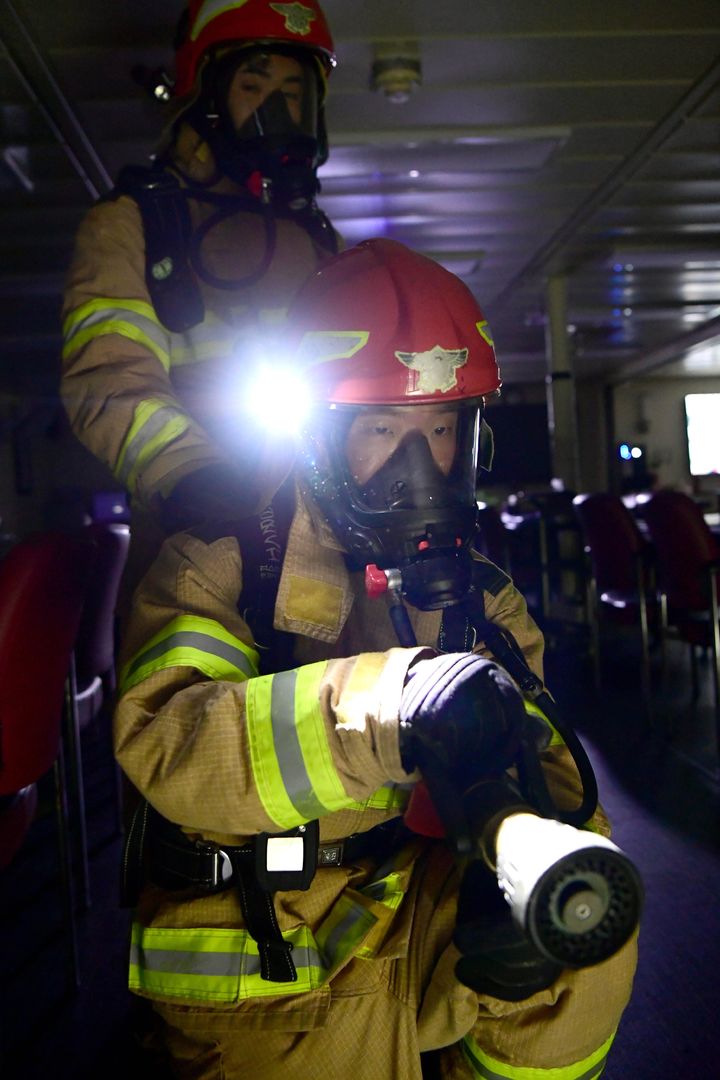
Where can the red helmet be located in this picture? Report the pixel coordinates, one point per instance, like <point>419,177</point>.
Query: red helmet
<point>213,23</point>
<point>381,329</point>
<point>382,325</point>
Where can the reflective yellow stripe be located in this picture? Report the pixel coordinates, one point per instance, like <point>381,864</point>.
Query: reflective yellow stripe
<point>489,1068</point>
<point>485,332</point>
<point>534,710</point>
<point>133,319</point>
<point>265,767</point>
<point>216,964</point>
<point>388,797</point>
<point>223,965</point>
<point>322,346</point>
<point>342,932</point>
<point>155,425</point>
<point>209,340</point>
<point>197,352</point>
<point>312,736</point>
<point>291,758</point>
<point>192,641</point>
<point>210,10</point>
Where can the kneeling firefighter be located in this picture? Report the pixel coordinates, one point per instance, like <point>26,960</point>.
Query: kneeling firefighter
<point>316,711</point>
<point>190,261</point>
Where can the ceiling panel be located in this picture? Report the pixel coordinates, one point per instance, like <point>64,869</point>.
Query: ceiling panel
<point>568,138</point>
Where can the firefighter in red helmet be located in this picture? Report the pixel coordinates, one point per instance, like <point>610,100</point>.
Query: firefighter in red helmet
<point>303,737</point>
<point>189,262</point>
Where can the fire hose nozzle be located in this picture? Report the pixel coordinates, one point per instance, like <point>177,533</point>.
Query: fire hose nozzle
<point>574,893</point>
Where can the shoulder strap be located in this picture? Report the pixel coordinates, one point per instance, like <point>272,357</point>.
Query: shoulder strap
<point>263,542</point>
<point>172,285</point>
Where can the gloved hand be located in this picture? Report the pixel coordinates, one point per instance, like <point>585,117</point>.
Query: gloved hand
<point>212,494</point>
<point>460,716</point>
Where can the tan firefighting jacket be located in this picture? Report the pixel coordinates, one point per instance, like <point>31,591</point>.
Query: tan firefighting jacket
<point>154,405</point>
<point>228,754</point>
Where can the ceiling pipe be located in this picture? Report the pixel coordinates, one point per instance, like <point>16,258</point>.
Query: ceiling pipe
<point>35,75</point>
<point>625,171</point>
<point>667,353</point>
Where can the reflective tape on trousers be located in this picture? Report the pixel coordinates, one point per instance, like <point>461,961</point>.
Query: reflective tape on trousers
<point>223,965</point>
<point>192,641</point>
<point>488,1068</point>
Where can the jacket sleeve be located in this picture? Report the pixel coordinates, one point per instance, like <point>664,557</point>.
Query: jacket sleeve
<point>219,749</point>
<point>115,381</point>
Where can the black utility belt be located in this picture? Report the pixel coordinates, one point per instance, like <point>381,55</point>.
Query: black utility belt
<point>280,861</point>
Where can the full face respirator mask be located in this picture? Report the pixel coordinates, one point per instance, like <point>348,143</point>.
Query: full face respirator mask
<point>272,152</point>
<point>410,516</point>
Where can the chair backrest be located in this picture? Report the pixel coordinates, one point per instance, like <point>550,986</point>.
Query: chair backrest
<point>95,644</point>
<point>42,586</point>
<point>684,547</point>
<point>612,538</point>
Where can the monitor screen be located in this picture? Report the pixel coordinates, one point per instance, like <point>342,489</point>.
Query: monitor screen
<point>702,413</point>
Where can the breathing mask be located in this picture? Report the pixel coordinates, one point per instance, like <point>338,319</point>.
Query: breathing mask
<point>274,148</point>
<point>416,512</point>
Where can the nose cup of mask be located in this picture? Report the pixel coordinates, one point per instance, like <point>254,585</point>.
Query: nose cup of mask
<point>410,479</point>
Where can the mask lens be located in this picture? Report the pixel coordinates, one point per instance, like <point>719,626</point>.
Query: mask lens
<point>272,95</point>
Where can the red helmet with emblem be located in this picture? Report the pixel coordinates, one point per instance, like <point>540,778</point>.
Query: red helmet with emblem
<point>212,24</point>
<point>397,357</point>
<point>381,324</point>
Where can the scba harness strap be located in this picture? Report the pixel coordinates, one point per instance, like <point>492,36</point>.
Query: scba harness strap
<point>170,239</point>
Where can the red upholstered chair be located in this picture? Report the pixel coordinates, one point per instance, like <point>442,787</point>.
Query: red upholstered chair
<point>42,587</point>
<point>92,676</point>
<point>619,583</point>
<point>95,644</point>
<point>688,569</point>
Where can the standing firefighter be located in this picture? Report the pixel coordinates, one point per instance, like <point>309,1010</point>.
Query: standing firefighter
<point>194,259</point>
<point>276,718</point>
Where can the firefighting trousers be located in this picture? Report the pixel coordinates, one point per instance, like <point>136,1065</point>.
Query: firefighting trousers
<point>377,1015</point>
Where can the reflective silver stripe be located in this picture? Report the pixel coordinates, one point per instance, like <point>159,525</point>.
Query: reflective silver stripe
<point>190,962</point>
<point>193,640</point>
<point>152,427</point>
<point>376,890</point>
<point>287,748</point>
<point>151,328</point>
<point>339,936</point>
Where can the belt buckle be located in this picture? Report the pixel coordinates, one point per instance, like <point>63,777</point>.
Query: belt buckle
<point>221,868</point>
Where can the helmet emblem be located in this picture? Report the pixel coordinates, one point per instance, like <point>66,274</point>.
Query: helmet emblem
<point>435,369</point>
<point>297,17</point>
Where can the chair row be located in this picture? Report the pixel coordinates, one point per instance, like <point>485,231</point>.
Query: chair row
<point>657,570</point>
<point>590,559</point>
<point>57,602</point>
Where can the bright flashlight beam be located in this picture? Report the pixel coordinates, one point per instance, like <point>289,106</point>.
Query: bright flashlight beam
<point>279,398</point>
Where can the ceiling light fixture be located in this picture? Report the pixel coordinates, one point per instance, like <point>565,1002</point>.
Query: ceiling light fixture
<point>396,70</point>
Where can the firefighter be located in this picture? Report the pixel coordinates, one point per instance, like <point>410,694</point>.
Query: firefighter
<point>286,922</point>
<point>192,261</point>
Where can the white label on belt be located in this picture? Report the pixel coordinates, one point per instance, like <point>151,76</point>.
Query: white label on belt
<point>284,853</point>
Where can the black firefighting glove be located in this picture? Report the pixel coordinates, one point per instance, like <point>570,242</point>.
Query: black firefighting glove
<point>465,713</point>
<point>214,494</point>
<point>461,721</point>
